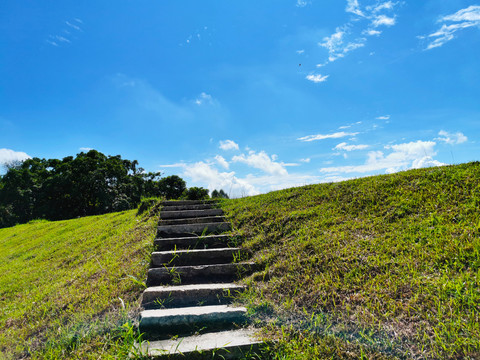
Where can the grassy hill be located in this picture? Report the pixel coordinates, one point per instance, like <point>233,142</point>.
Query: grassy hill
<point>68,288</point>
<point>380,267</point>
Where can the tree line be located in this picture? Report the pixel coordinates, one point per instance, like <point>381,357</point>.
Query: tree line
<point>89,184</point>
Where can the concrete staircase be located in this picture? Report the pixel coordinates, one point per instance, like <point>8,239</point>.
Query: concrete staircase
<point>188,312</point>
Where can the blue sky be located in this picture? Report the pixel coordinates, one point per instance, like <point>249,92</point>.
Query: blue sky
<point>248,96</point>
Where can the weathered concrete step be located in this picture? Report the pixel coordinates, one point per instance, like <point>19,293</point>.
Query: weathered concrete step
<point>189,295</point>
<point>188,202</point>
<point>189,207</point>
<point>189,213</point>
<point>196,220</point>
<point>194,257</point>
<point>195,242</point>
<point>188,229</point>
<point>234,344</point>
<point>180,321</point>
<point>199,274</point>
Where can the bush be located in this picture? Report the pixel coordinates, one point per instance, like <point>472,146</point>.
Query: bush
<point>195,193</point>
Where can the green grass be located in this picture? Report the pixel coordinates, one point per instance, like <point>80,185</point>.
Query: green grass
<point>70,289</point>
<point>383,267</point>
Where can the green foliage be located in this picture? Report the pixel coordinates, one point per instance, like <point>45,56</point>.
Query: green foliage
<point>89,184</point>
<point>219,194</point>
<point>195,193</point>
<point>172,187</point>
<point>70,289</point>
<point>385,267</point>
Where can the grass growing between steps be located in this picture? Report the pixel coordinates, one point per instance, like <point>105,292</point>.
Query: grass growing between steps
<point>385,267</point>
<point>67,287</point>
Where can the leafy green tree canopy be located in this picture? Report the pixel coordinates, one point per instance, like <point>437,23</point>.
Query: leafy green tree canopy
<point>89,184</point>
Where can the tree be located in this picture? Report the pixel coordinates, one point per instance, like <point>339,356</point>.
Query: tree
<point>172,187</point>
<point>219,194</point>
<point>195,193</point>
<point>89,184</point>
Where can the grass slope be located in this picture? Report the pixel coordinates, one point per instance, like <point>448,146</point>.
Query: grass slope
<point>382,267</point>
<point>66,287</point>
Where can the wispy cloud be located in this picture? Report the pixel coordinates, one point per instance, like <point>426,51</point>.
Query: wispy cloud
<point>203,99</point>
<point>85,149</point>
<point>345,147</point>
<point>452,139</point>
<point>336,135</point>
<point>451,24</point>
<point>317,78</point>
<point>383,20</point>
<point>302,3</point>
<point>8,156</point>
<point>197,36</point>
<point>67,33</point>
<point>353,35</point>
<point>412,155</point>
<point>383,117</point>
<point>228,145</point>
<point>175,165</point>
<point>337,46</point>
<point>353,7</point>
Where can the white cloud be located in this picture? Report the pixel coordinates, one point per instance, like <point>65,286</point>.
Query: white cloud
<point>337,47</point>
<point>426,161</point>
<point>261,161</point>
<point>388,5</point>
<point>175,165</point>
<point>346,39</point>
<point>354,7</point>
<point>472,13</point>
<point>372,32</point>
<point>228,145</point>
<point>8,156</point>
<point>306,160</point>
<point>336,135</point>
<point>401,157</point>
<point>204,173</point>
<point>462,19</point>
<point>73,26</point>
<point>384,117</point>
<point>302,3</point>
<point>203,98</point>
<point>383,20</point>
<point>343,146</point>
<point>452,139</point>
<point>300,52</point>
<point>222,162</point>
<point>317,78</point>
<point>85,149</point>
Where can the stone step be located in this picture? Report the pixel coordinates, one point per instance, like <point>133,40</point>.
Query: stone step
<point>195,242</point>
<point>189,207</point>
<point>180,321</point>
<point>189,295</point>
<point>189,213</point>
<point>233,344</point>
<point>192,229</point>
<point>199,274</point>
<point>194,257</point>
<point>195,220</point>
<point>188,202</point>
